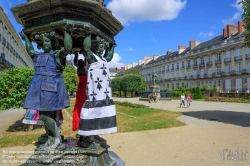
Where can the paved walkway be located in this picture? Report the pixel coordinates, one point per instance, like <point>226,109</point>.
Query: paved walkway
<point>216,134</point>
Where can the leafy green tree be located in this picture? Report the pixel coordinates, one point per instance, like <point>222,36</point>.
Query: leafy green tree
<point>14,84</point>
<point>115,85</point>
<point>143,84</point>
<point>70,79</point>
<point>131,83</point>
<point>246,20</point>
<point>197,93</point>
<point>133,71</point>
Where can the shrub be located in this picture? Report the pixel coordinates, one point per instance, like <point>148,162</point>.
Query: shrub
<point>197,93</point>
<point>14,84</point>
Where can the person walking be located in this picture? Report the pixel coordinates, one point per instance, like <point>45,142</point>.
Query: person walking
<point>188,100</point>
<point>182,100</point>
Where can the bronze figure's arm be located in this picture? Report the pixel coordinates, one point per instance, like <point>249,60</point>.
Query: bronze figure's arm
<point>89,56</point>
<point>110,53</point>
<point>28,45</point>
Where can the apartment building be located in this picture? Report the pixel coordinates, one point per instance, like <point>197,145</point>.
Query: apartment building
<point>223,61</point>
<point>12,51</point>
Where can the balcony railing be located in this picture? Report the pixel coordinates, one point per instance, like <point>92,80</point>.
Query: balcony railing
<point>172,69</point>
<point>210,63</point>
<point>227,60</point>
<point>4,41</point>
<point>218,61</point>
<point>183,68</point>
<point>195,66</point>
<point>238,58</point>
<point>177,69</point>
<point>232,72</point>
<point>209,75</point>
<point>188,67</point>
<point>238,72</point>
<point>167,70</point>
<point>247,56</point>
<point>201,65</point>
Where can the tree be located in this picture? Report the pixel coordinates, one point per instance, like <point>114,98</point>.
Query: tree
<point>197,93</point>
<point>14,84</point>
<point>133,71</point>
<point>246,20</point>
<point>131,83</point>
<point>70,79</point>
<point>115,85</point>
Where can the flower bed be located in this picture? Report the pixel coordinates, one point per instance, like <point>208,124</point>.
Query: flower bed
<point>226,99</point>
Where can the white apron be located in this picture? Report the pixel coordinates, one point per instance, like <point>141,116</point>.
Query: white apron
<point>98,114</point>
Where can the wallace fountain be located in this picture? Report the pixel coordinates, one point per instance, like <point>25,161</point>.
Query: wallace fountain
<point>60,27</point>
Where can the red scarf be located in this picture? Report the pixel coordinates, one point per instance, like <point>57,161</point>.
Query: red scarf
<point>80,99</point>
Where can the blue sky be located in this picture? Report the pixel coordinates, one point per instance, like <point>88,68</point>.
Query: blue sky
<point>157,26</point>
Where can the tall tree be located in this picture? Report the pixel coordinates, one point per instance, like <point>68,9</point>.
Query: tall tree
<point>246,20</point>
<point>70,79</point>
<point>14,83</point>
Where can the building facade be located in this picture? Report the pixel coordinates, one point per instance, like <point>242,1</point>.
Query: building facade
<point>223,62</point>
<point>12,50</point>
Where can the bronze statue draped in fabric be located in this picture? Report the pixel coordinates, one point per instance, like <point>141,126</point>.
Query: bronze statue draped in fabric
<point>47,92</point>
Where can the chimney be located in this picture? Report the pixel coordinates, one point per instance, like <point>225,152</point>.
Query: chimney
<point>181,48</point>
<point>241,27</point>
<point>169,52</point>
<point>193,43</point>
<point>225,32</point>
<point>231,29</point>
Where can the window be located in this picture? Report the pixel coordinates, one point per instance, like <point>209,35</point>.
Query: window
<point>177,85</point>
<point>167,67</point>
<point>210,72</point>
<point>218,71</point>
<point>248,67</point>
<point>218,82</point>
<point>228,84</point>
<point>202,73</point>
<point>238,53</point>
<point>172,86</point>
<point>177,65</point>
<point>188,63</point>
<point>188,75</point>
<point>218,57</point>
<point>227,54</point>
<point>228,58</point>
<point>202,61</point>
<point>202,84</point>
<point>172,66</point>
<point>238,68</point>
<point>195,73</point>
<point>248,83</point>
<point>238,84</point>
<point>209,58</point>
<point>211,84</point>
<point>182,64</point>
<point>168,86</point>
<point>195,62</point>
<point>227,69</point>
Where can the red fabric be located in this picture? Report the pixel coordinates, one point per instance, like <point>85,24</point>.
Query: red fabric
<point>80,99</point>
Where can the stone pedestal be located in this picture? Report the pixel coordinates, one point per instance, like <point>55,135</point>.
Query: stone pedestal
<point>154,88</point>
<point>94,155</point>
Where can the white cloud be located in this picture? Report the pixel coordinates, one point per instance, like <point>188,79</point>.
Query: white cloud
<point>130,49</point>
<point>114,63</point>
<point>206,34</point>
<point>236,16</point>
<point>145,10</point>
